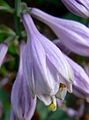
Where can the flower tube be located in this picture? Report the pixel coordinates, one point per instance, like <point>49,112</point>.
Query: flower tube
<point>23,104</point>
<point>48,73</point>
<point>73,35</point>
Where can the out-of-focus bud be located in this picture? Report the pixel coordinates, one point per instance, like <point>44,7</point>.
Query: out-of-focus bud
<point>78,7</point>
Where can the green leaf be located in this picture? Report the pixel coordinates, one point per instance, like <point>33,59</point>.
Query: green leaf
<point>6,33</point>
<point>6,30</point>
<point>75,18</point>
<point>42,110</point>
<point>58,115</point>
<point>4,99</point>
<point>5,7</point>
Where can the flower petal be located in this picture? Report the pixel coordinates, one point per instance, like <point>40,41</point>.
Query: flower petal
<point>3,51</point>
<point>23,104</point>
<point>74,35</point>
<point>81,79</point>
<point>78,7</point>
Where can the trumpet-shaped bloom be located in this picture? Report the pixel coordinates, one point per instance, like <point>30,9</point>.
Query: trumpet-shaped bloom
<point>81,80</point>
<point>74,35</point>
<point>23,104</point>
<point>45,67</point>
<point>3,51</point>
<point>78,7</point>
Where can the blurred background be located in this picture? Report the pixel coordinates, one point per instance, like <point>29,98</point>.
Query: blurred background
<point>73,108</point>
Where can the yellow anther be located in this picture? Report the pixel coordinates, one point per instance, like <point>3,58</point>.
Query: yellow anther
<point>52,107</point>
<point>62,85</point>
<point>61,92</point>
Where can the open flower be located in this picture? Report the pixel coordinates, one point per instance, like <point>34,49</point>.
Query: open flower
<point>74,35</point>
<point>81,78</point>
<point>45,68</point>
<point>3,51</point>
<point>78,7</point>
<point>23,104</point>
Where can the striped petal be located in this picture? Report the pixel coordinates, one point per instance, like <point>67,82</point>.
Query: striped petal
<point>3,51</point>
<point>74,35</point>
<point>23,104</point>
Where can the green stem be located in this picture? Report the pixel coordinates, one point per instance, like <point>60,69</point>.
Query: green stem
<point>17,18</point>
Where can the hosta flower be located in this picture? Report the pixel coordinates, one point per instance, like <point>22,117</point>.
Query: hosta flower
<point>23,104</point>
<point>3,51</point>
<point>74,35</point>
<point>81,80</point>
<point>78,7</point>
<point>45,67</point>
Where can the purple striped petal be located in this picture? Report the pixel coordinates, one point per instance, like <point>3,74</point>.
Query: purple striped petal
<point>73,35</point>
<point>45,67</point>
<point>3,51</point>
<point>23,104</point>
<point>81,80</point>
<point>78,7</point>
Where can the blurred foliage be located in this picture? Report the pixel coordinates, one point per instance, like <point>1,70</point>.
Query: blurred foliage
<point>5,101</point>
<point>5,7</point>
<point>46,114</point>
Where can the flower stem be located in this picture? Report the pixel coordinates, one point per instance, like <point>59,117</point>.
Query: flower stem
<point>17,18</point>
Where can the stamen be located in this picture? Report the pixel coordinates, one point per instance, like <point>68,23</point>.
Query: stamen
<point>61,92</point>
<point>53,105</point>
<point>61,86</point>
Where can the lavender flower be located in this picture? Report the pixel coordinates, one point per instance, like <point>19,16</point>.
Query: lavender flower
<point>81,80</point>
<point>23,104</point>
<point>5,80</point>
<point>78,7</point>
<point>74,35</point>
<point>46,69</point>
<point>3,51</point>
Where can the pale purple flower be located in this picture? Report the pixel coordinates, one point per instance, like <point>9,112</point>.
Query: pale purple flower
<point>23,104</point>
<point>81,80</point>
<point>3,51</point>
<point>75,113</point>
<point>78,7</point>
<point>5,80</point>
<point>74,35</point>
<point>45,67</point>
